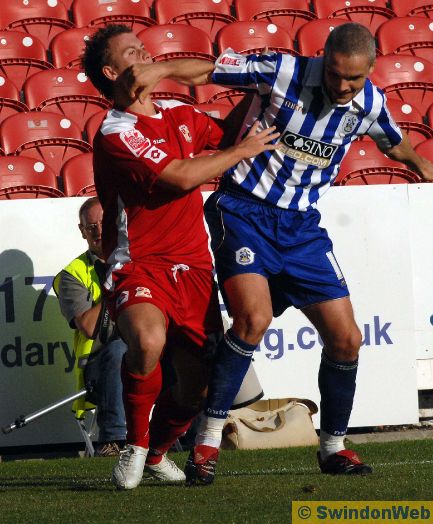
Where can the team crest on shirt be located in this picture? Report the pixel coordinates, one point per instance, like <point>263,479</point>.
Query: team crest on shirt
<point>143,292</point>
<point>245,256</point>
<point>185,132</point>
<point>349,123</point>
<point>135,141</point>
<point>122,298</point>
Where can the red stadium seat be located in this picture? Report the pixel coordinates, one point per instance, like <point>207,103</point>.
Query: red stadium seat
<point>211,93</point>
<point>215,110</point>
<point>409,118</point>
<point>68,45</point>
<point>395,69</point>
<point>21,55</point>
<point>10,103</point>
<point>93,124</point>
<point>403,111</point>
<point>405,7</point>
<point>327,8</point>
<point>44,136</point>
<point>134,13</point>
<point>77,176</point>
<point>429,115</point>
<point>417,132</point>
<point>207,15</point>
<point>253,36</point>
<point>380,175</point>
<point>169,41</point>
<point>22,177</point>
<point>290,15</point>
<point>363,154</point>
<point>312,35</point>
<point>425,149</point>
<point>370,16</point>
<point>65,91</point>
<point>408,78</point>
<point>399,34</point>
<point>39,18</point>
<point>170,90</point>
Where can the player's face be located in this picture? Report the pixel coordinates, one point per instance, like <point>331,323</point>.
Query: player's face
<point>126,50</point>
<point>91,228</point>
<point>344,76</point>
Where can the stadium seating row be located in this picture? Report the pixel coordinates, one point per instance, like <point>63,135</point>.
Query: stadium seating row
<point>65,109</point>
<point>45,20</point>
<point>26,177</point>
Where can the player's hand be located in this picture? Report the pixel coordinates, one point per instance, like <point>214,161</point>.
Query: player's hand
<point>426,170</point>
<point>257,141</point>
<point>136,83</point>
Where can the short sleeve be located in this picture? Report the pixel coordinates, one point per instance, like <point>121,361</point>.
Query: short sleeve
<point>258,72</point>
<point>209,132</point>
<point>384,130</point>
<point>74,297</point>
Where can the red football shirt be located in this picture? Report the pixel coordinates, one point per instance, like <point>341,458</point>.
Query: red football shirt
<point>143,221</point>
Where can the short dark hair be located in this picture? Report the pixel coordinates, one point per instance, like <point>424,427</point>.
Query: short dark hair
<point>351,39</point>
<point>90,202</point>
<point>96,55</point>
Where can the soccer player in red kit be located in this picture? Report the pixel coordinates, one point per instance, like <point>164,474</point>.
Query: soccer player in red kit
<point>160,287</point>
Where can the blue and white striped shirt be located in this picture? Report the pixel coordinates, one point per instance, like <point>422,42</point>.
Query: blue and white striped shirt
<point>315,134</point>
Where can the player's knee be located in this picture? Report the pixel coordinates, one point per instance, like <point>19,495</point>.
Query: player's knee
<point>146,342</point>
<point>345,347</point>
<point>252,325</point>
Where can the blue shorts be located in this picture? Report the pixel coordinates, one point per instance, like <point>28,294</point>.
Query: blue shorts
<point>287,247</point>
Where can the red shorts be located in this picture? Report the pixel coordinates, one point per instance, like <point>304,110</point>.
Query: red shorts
<point>187,297</point>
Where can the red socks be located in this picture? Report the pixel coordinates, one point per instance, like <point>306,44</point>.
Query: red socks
<point>139,395</point>
<point>169,422</point>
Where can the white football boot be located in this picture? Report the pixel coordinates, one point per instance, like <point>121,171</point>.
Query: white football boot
<point>165,471</point>
<point>127,474</point>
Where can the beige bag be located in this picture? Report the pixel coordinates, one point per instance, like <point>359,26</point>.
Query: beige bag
<point>280,423</point>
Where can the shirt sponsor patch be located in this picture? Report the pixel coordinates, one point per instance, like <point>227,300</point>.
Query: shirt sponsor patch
<point>155,154</point>
<point>122,298</point>
<point>143,292</point>
<point>307,149</point>
<point>135,141</point>
<point>235,61</point>
<point>245,256</point>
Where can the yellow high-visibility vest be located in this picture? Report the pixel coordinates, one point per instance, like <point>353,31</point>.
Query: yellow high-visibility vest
<point>83,270</point>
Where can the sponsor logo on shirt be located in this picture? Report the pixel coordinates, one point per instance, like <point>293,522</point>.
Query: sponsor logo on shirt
<point>159,141</point>
<point>135,141</point>
<point>292,105</point>
<point>307,149</point>
<point>232,61</point>
<point>185,132</point>
<point>122,298</point>
<point>245,256</point>
<point>349,123</point>
<point>155,154</point>
<point>143,292</point>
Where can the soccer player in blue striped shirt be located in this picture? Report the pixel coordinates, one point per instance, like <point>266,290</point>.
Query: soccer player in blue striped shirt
<point>270,251</point>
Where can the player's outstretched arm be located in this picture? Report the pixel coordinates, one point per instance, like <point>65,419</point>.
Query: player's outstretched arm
<point>404,152</point>
<point>139,80</point>
<point>184,175</point>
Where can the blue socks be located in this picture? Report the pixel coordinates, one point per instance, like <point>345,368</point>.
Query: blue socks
<point>337,384</point>
<point>232,361</point>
